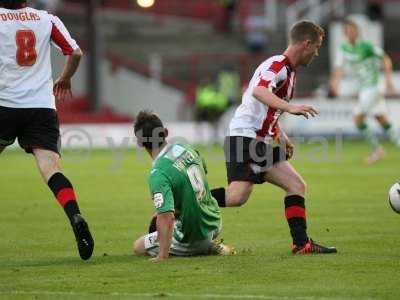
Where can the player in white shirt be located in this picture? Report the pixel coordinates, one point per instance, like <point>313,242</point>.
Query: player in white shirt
<point>364,61</point>
<point>257,150</point>
<point>27,98</point>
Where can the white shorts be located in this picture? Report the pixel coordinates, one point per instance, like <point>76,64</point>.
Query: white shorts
<point>203,247</point>
<point>370,102</point>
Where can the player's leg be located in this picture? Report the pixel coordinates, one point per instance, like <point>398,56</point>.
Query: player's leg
<point>368,134</point>
<point>41,138</point>
<point>377,151</point>
<point>9,120</point>
<point>236,194</point>
<point>148,244</point>
<point>238,150</point>
<point>48,163</point>
<point>388,127</point>
<point>369,99</point>
<point>139,247</point>
<point>286,177</point>
<point>217,246</point>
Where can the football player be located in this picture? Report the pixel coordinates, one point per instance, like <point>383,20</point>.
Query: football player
<point>188,218</point>
<point>27,99</point>
<point>257,149</point>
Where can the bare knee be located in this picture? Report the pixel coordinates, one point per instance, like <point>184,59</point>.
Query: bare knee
<point>382,119</point>
<point>48,162</point>
<point>138,246</point>
<point>297,187</point>
<point>238,193</point>
<point>358,119</point>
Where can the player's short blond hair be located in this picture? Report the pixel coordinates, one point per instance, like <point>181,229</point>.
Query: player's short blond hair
<point>305,30</point>
<point>350,22</point>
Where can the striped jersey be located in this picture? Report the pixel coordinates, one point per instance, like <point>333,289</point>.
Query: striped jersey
<point>25,64</point>
<point>363,60</point>
<point>255,119</point>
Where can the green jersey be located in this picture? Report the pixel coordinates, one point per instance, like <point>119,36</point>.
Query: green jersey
<point>363,59</point>
<point>178,184</point>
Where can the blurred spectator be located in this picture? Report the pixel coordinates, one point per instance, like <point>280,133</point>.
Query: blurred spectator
<point>210,103</point>
<point>48,5</point>
<point>256,33</point>
<point>228,83</point>
<point>228,11</point>
<point>209,107</point>
<point>375,10</point>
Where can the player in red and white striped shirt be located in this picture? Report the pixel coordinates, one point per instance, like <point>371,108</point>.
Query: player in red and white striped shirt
<point>257,149</point>
<point>27,98</point>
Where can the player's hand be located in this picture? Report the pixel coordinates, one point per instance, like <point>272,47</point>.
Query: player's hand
<point>62,89</point>
<point>390,90</point>
<point>302,110</point>
<point>289,149</point>
<point>284,140</point>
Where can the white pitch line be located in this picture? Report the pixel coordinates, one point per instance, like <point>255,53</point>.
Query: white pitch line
<point>168,295</point>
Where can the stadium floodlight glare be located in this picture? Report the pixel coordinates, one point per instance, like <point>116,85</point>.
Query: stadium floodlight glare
<point>145,3</point>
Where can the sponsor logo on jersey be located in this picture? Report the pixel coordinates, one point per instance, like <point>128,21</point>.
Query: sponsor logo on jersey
<point>177,150</point>
<point>158,200</point>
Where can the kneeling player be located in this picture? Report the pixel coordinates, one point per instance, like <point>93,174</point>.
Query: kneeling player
<point>188,218</point>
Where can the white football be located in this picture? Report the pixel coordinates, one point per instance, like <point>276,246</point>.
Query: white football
<point>394,197</point>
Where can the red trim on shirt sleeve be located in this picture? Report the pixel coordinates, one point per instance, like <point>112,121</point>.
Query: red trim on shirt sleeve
<point>276,66</point>
<point>60,40</point>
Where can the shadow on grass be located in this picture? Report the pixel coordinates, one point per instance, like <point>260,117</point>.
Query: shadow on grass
<point>72,261</point>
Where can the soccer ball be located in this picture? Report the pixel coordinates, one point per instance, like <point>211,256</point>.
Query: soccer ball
<point>394,197</point>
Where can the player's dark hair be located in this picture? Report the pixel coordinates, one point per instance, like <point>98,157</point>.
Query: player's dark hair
<point>12,4</point>
<point>305,30</point>
<point>149,130</point>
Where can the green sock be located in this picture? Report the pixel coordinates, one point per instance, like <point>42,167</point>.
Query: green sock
<point>369,136</point>
<point>392,133</point>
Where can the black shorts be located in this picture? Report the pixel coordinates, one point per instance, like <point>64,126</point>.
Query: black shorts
<point>248,159</point>
<point>34,128</point>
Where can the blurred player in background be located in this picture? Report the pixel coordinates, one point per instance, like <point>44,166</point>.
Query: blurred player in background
<point>257,149</point>
<point>365,60</point>
<point>27,98</point>
<point>188,218</point>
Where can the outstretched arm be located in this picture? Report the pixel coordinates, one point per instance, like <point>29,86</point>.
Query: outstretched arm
<point>265,96</point>
<point>62,86</point>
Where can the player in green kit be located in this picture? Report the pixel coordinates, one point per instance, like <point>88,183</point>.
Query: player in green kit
<point>365,60</point>
<point>188,218</point>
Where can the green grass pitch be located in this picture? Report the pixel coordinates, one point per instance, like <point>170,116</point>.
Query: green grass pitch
<point>347,207</point>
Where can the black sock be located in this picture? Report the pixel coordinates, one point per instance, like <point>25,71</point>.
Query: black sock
<point>219,195</point>
<point>295,213</point>
<point>64,192</point>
